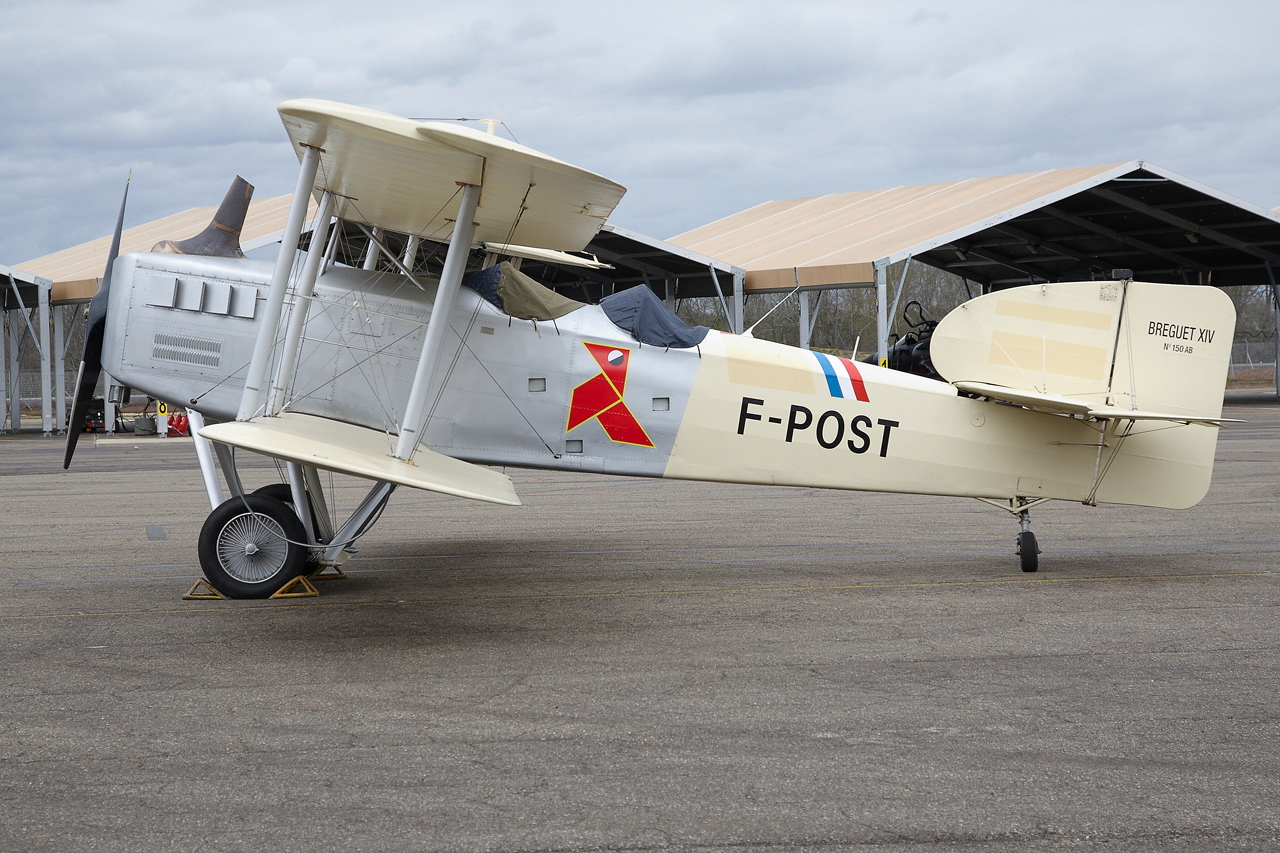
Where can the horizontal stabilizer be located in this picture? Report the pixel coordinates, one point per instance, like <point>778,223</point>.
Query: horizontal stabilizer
<point>1029,399</point>
<point>1067,406</point>
<point>362,452</point>
<point>1138,415</point>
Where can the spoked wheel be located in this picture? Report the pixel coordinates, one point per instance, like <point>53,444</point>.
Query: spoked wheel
<point>1028,551</point>
<point>284,494</point>
<point>249,546</point>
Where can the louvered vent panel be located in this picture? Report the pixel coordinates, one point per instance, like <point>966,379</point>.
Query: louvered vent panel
<point>187,350</point>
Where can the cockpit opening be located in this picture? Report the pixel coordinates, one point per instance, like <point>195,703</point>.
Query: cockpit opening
<point>635,310</point>
<point>519,295</point>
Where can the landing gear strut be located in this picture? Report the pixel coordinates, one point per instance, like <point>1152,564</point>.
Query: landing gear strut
<point>1028,549</point>
<point>253,545</point>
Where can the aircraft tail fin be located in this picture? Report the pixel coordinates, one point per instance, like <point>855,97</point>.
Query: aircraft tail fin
<point>1146,361</point>
<point>1116,345</point>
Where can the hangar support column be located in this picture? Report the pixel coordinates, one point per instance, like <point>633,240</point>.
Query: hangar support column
<point>804,319</point>
<point>59,371</point>
<point>46,388</point>
<point>739,300</point>
<point>4,367</point>
<point>882,311</point>
<point>15,383</point>
<point>808,316</point>
<point>1275,308</point>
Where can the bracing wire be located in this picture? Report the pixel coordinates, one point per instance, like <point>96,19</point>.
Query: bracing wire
<point>498,384</point>
<point>360,531</point>
<point>457,354</point>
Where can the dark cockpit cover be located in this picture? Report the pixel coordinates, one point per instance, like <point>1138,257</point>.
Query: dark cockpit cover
<point>638,311</point>
<point>518,294</point>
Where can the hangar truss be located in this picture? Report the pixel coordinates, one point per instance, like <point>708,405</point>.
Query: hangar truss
<point>25,315</point>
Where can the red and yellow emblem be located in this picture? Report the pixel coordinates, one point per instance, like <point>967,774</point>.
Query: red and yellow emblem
<point>600,397</point>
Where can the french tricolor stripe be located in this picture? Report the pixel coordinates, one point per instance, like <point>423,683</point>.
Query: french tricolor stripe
<point>843,378</point>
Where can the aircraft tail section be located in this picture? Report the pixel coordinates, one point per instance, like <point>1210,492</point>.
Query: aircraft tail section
<point>1147,362</point>
<point>1116,344</point>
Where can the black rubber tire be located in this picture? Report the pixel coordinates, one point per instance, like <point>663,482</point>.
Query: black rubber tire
<point>1028,551</point>
<point>274,532</point>
<point>279,491</point>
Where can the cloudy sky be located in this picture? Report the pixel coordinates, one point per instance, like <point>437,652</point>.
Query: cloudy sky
<point>700,109</point>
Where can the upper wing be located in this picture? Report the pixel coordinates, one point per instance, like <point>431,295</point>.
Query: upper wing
<point>402,174</point>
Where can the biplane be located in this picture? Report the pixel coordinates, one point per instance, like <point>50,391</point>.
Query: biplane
<point>1089,391</point>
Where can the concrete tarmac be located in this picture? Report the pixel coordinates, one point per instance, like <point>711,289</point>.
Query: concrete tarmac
<point>643,665</point>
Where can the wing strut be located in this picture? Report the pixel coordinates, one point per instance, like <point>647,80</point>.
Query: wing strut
<point>279,283</point>
<point>301,303</point>
<point>450,279</point>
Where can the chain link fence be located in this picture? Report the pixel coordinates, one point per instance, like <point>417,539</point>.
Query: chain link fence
<point>1253,360</point>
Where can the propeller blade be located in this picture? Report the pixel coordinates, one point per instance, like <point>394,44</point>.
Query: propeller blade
<point>91,360</point>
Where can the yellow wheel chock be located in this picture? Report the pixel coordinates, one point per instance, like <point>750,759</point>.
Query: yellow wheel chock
<point>291,590</point>
<point>201,590</point>
<point>327,573</point>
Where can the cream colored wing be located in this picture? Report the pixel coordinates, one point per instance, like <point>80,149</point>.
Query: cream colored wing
<point>362,452</point>
<point>402,174</point>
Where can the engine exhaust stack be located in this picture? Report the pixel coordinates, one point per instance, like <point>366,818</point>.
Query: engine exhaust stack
<point>221,239</point>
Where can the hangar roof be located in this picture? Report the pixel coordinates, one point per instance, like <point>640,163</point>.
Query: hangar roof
<point>19,289</point>
<point>1054,225</point>
<point>1062,224</point>
<point>75,272</point>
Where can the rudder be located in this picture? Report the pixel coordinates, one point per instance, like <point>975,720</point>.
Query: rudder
<point>1157,351</point>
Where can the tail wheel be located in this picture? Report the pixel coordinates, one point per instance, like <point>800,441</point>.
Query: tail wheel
<point>1028,551</point>
<point>251,546</point>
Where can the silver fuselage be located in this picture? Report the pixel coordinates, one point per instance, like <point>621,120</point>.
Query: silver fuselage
<point>183,328</point>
